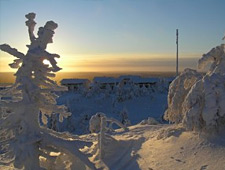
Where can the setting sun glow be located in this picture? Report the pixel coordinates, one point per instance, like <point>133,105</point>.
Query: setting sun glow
<point>109,36</point>
<point>46,62</point>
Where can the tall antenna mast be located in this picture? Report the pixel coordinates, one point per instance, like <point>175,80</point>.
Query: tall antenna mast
<point>177,53</point>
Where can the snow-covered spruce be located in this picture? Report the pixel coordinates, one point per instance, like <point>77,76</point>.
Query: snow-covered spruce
<point>202,106</point>
<point>23,142</point>
<point>124,117</point>
<point>178,90</point>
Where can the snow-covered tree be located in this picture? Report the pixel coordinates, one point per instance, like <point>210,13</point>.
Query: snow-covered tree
<point>178,90</point>
<point>23,141</point>
<point>124,117</point>
<point>199,102</point>
<point>95,90</point>
<point>204,106</point>
<point>125,91</point>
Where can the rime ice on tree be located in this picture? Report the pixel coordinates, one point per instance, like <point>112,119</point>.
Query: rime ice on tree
<point>22,140</point>
<point>178,90</point>
<point>198,102</point>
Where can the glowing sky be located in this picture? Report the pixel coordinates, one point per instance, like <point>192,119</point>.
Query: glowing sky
<point>117,35</point>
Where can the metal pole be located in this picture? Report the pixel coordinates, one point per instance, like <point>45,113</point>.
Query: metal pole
<point>177,53</point>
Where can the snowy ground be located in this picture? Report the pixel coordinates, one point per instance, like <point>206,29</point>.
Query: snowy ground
<point>138,109</point>
<point>156,147</point>
<point>159,147</point>
<point>143,147</point>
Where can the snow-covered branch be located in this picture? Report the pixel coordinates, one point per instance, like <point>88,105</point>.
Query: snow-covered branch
<point>31,24</point>
<point>11,51</point>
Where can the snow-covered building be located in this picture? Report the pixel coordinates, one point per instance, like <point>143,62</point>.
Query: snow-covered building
<point>103,82</point>
<point>2,87</point>
<point>147,82</point>
<point>110,82</point>
<point>138,80</point>
<point>75,84</point>
<point>127,79</point>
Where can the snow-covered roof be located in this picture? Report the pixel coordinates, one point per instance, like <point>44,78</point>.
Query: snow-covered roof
<point>139,79</point>
<point>74,81</point>
<point>146,80</point>
<point>130,77</point>
<point>105,80</point>
<point>170,78</point>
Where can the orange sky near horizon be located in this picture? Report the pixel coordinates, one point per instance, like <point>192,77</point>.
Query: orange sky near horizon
<point>114,62</point>
<point>116,36</point>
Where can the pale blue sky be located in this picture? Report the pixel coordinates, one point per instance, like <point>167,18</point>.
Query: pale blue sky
<point>95,32</point>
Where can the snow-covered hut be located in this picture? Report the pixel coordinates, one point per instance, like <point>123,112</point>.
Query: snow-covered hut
<point>103,82</point>
<point>138,80</point>
<point>128,79</point>
<point>2,87</point>
<point>147,82</point>
<point>75,84</point>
